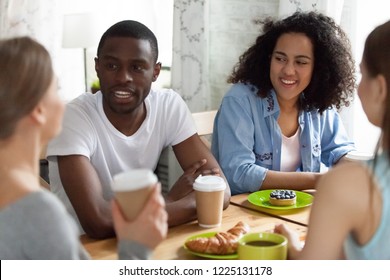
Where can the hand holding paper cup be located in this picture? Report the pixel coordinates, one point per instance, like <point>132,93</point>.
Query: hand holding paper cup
<point>262,246</point>
<point>132,189</point>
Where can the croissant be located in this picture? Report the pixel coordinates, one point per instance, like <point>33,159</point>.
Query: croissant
<point>223,243</point>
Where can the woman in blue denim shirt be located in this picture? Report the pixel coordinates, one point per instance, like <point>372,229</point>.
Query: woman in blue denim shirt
<point>280,114</point>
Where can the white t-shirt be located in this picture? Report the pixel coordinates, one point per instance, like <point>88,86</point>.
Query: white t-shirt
<point>88,132</point>
<point>291,153</point>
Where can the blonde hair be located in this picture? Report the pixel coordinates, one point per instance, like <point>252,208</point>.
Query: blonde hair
<point>25,75</point>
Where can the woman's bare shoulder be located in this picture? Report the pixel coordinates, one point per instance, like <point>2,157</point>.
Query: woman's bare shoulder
<point>347,173</point>
<point>346,183</point>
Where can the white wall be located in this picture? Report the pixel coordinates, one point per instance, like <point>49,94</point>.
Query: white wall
<point>231,21</point>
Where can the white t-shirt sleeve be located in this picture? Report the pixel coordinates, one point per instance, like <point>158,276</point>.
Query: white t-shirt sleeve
<point>180,125</point>
<point>77,135</point>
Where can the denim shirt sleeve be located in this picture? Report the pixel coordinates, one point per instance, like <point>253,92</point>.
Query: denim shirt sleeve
<point>233,143</point>
<point>336,142</point>
<point>324,140</point>
<point>334,139</point>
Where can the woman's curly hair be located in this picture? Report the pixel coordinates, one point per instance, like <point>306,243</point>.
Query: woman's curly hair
<point>333,80</point>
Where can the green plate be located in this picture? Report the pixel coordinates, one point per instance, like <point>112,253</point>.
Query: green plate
<point>208,256</point>
<point>261,198</point>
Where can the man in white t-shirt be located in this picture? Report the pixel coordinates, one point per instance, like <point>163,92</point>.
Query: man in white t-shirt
<point>124,126</point>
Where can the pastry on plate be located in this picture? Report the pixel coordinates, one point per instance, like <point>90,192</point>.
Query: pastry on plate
<point>282,197</point>
<point>222,243</point>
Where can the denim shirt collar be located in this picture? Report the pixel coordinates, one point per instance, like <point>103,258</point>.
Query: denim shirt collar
<point>271,105</point>
<point>271,108</point>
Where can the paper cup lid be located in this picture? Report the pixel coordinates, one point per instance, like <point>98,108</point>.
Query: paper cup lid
<point>133,180</point>
<point>209,183</point>
<point>355,155</point>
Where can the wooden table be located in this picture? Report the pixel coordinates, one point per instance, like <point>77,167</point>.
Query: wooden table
<point>172,246</point>
<point>298,216</point>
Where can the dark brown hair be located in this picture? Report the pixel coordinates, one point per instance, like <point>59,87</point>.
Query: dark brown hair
<point>376,58</point>
<point>25,75</point>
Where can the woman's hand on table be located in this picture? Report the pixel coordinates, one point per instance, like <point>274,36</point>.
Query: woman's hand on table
<point>294,243</point>
<point>150,227</point>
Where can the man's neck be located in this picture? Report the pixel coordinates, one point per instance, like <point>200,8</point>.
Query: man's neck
<point>127,123</point>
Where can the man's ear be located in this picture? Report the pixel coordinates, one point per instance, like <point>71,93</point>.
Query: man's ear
<point>97,66</point>
<point>156,71</point>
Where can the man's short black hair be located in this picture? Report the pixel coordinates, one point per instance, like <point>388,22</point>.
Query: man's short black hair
<point>132,29</point>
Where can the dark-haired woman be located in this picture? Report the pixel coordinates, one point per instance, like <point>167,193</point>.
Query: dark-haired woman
<point>278,123</point>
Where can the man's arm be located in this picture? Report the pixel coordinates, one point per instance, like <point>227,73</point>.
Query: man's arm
<point>188,152</point>
<point>83,187</point>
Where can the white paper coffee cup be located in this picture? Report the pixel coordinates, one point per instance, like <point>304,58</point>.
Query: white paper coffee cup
<point>359,156</point>
<point>209,194</point>
<point>132,189</point>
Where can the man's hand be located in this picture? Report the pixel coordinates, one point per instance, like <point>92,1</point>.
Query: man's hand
<point>183,185</point>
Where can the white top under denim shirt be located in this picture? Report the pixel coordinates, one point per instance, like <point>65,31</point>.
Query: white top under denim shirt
<point>247,139</point>
<point>378,248</point>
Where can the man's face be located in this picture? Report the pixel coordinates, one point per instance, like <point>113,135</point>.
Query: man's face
<point>126,69</point>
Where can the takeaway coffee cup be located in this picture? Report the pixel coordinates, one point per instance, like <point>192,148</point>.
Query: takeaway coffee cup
<point>358,156</point>
<point>209,194</point>
<point>262,246</point>
<point>132,189</point>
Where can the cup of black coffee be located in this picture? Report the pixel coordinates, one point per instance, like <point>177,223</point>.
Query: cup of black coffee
<point>262,246</point>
